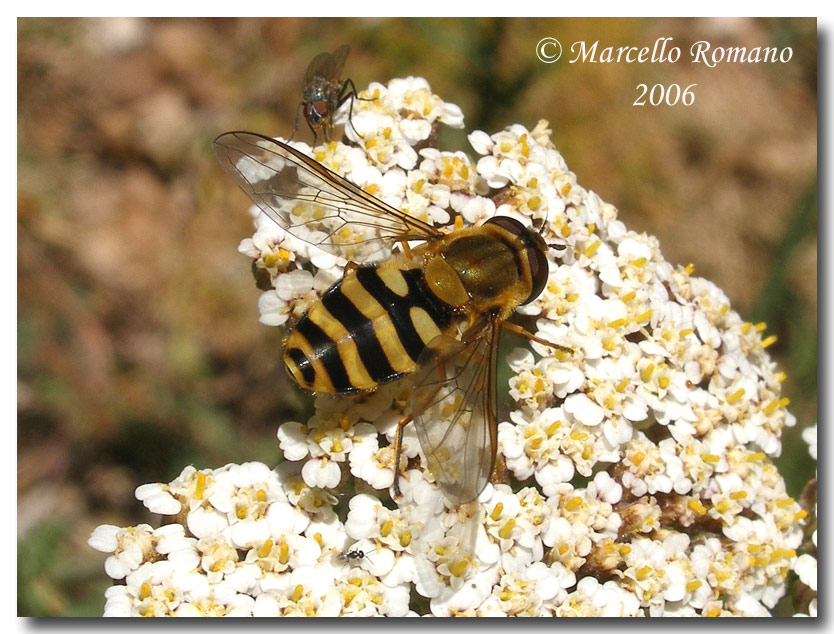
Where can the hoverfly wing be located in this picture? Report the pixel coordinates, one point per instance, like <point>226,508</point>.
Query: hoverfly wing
<point>327,65</point>
<point>454,411</point>
<point>313,203</point>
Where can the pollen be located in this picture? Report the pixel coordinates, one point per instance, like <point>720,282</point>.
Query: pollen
<point>643,573</point>
<point>200,486</point>
<point>592,248</point>
<point>644,316</point>
<point>386,527</point>
<point>733,398</point>
<point>297,593</point>
<point>458,569</point>
<point>697,507</point>
<point>769,341</point>
<point>496,512</point>
<point>266,548</point>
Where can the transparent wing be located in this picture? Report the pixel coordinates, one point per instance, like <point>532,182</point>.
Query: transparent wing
<point>454,411</point>
<point>328,65</point>
<point>313,203</point>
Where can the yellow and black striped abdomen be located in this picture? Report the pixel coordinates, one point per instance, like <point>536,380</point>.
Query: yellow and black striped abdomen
<point>367,329</point>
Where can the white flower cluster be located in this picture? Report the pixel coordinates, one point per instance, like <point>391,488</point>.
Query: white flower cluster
<point>635,474</point>
<point>805,566</point>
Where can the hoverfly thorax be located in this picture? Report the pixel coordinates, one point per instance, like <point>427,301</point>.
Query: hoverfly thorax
<point>493,268</point>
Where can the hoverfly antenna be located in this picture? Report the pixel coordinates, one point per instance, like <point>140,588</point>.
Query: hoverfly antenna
<point>559,245</point>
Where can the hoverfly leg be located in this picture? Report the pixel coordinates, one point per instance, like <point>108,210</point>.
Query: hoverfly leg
<point>398,448</point>
<point>406,249</point>
<point>405,420</point>
<point>524,333</point>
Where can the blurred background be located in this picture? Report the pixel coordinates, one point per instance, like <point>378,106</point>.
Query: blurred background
<point>139,347</point>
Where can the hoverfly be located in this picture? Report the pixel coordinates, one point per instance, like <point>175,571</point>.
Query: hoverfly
<point>396,315</point>
<point>324,92</point>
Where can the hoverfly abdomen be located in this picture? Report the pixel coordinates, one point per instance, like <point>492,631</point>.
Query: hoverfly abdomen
<point>367,329</point>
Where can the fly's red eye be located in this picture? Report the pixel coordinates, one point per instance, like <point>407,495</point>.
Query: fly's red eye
<point>316,112</point>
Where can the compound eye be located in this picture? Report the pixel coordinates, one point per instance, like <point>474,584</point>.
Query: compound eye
<point>316,112</point>
<point>509,224</point>
<point>539,270</point>
<point>535,249</point>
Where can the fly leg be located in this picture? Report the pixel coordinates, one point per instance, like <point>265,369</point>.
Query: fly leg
<point>349,92</point>
<point>524,333</point>
<point>398,449</point>
<point>297,114</point>
<point>405,420</point>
